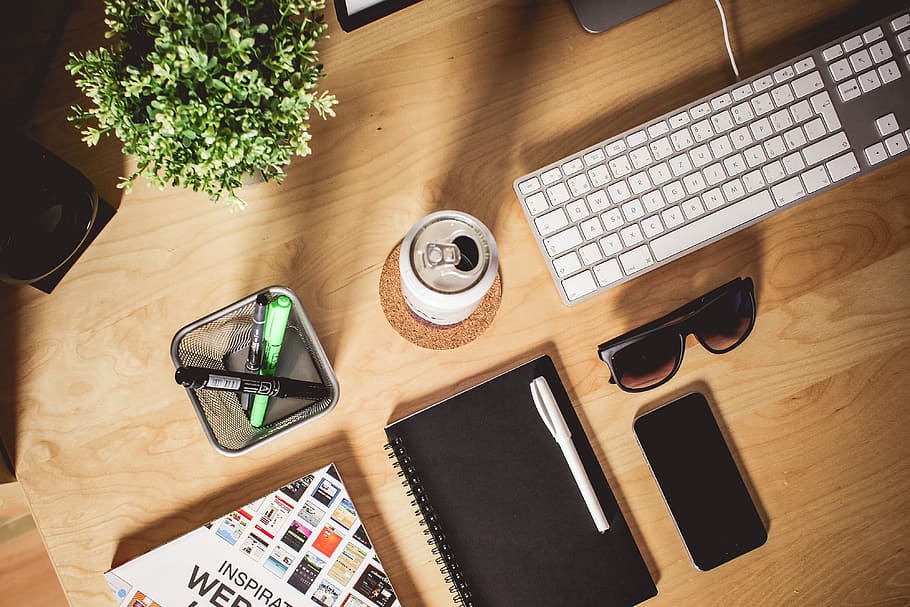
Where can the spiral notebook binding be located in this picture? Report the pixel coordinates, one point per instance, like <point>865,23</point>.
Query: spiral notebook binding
<point>449,567</point>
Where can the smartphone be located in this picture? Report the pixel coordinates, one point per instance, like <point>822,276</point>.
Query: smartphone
<point>699,480</point>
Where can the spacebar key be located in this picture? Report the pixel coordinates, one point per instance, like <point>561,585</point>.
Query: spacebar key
<point>712,225</point>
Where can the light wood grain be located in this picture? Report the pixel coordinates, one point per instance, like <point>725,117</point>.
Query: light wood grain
<point>442,106</point>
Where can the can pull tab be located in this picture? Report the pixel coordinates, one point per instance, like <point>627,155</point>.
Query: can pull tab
<point>442,254</point>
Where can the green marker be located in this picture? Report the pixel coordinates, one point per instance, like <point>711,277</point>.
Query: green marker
<point>276,322</point>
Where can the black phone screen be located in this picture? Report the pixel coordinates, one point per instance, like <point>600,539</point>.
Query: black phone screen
<point>700,481</point>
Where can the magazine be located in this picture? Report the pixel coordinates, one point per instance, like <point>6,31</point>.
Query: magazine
<point>302,545</point>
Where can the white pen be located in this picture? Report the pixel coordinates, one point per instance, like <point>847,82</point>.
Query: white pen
<point>556,424</point>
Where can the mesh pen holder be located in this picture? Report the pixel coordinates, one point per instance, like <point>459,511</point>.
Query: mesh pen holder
<point>221,341</point>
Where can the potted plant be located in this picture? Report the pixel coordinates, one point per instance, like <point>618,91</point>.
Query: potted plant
<point>205,92</point>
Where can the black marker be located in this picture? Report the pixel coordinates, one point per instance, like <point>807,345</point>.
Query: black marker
<point>249,383</point>
<point>254,359</point>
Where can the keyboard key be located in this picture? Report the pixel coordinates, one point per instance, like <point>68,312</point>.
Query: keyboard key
<point>653,201</point>
<point>579,285</point>
<point>788,191</point>
<point>753,181</point>
<point>775,147</point>
<point>639,183</point>
<point>701,156</point>
<point>633,210</point>
<point>577,210</point>
<point>611,245</point>
<point>692,208</point>
<point>661,148</point>
<point>537,203</point>
<point>721,146</point>
<point>804,65</point>
<point>594,157</point>
<point>808,84</point>
<point>636,139</point>
<point>619,192</point>
<point>815,129</point>
<point>763,83</point>
<point>620,166</point>
<point>636,260</point>
<point>529,185</point>
<point>694,183</point>
<point>733,190</point>
<point>673,192</point>
<point>889,72</point>
<point>849,90</point>
<point>563,241</point>
<point>899,23</point>
<point>774,172</point>
<point>672,217</point>
<point>590,253</point>
<point>762,104</point>
<point>782,95</point>
<point>876,153</point>
<point>712,225</point>
<point>660,173</point>
<point>793,163</point>
<point>640,157</point>
<point>816,179</point>
<point>573,166</point>
<point>631,235</point>
<point>843,166</point>
<point>680,165</point>
<point>742,113</point>
<point>579,184</point>
<point>597,201</point>
<point>551,222</point>
<point>826,148</point>
<point>700,111</point>
<point>896,144</point>
<point>558,194</point>
<point>785,73</point>
<point>741,138</point>
<point>702,131</point>
<point>607,272</point>
<point>801,111</point>
<point>551,176</point>
<point>598,175</point>
<point>721,101</point>
<point>722,121</point>
<point>567,264</point>
<point>742,92</point>
<point>591,228</point>
<point>682,140</point>
<point>832,52</point>
<point>658,129</point>
<point>795,138</point>
<point>781,120</point>
<point>903,39</point>
<point>872,35</point>
<point>714,173</point>
<point>612,220</point>
<point>880,51</point>
<point>615,147</point>
<point>679,120</point>
<point>851,44</point>
<point>869,81</point>
<point>735,164</point>
<point>887,124</point>
<point>652,226</point>
<point>822,105</point>
<point>840,70</point>
<point>860,61</point>
<point>755,156</point>
<point>713,199</point>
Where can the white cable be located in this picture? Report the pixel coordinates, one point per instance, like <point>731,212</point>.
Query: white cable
<point>723,22</point>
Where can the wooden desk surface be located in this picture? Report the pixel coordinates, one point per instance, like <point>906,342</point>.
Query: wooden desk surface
<point>442,106</point>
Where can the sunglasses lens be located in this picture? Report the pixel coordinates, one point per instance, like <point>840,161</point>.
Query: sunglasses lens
<point>647,362</point>
<point>725,323</point>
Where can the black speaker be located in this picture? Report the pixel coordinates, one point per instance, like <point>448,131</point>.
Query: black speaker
<point>47,211</point>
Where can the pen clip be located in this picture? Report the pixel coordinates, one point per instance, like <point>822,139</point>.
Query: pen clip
<point>538,402</point>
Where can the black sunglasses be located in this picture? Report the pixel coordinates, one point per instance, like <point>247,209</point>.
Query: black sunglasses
<point>650,355</point>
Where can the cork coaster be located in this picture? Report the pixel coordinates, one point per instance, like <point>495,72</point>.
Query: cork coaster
<point>420,332</point>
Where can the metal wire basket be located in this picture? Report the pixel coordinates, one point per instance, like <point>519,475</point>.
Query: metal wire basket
<point>220,341</point>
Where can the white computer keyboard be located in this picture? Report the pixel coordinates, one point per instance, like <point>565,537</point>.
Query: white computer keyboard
<point>637,201</point>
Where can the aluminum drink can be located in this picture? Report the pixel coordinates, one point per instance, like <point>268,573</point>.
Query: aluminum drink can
<point>448,262</point>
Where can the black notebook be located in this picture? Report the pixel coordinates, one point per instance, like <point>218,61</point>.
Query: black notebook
<point>502,507</point>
